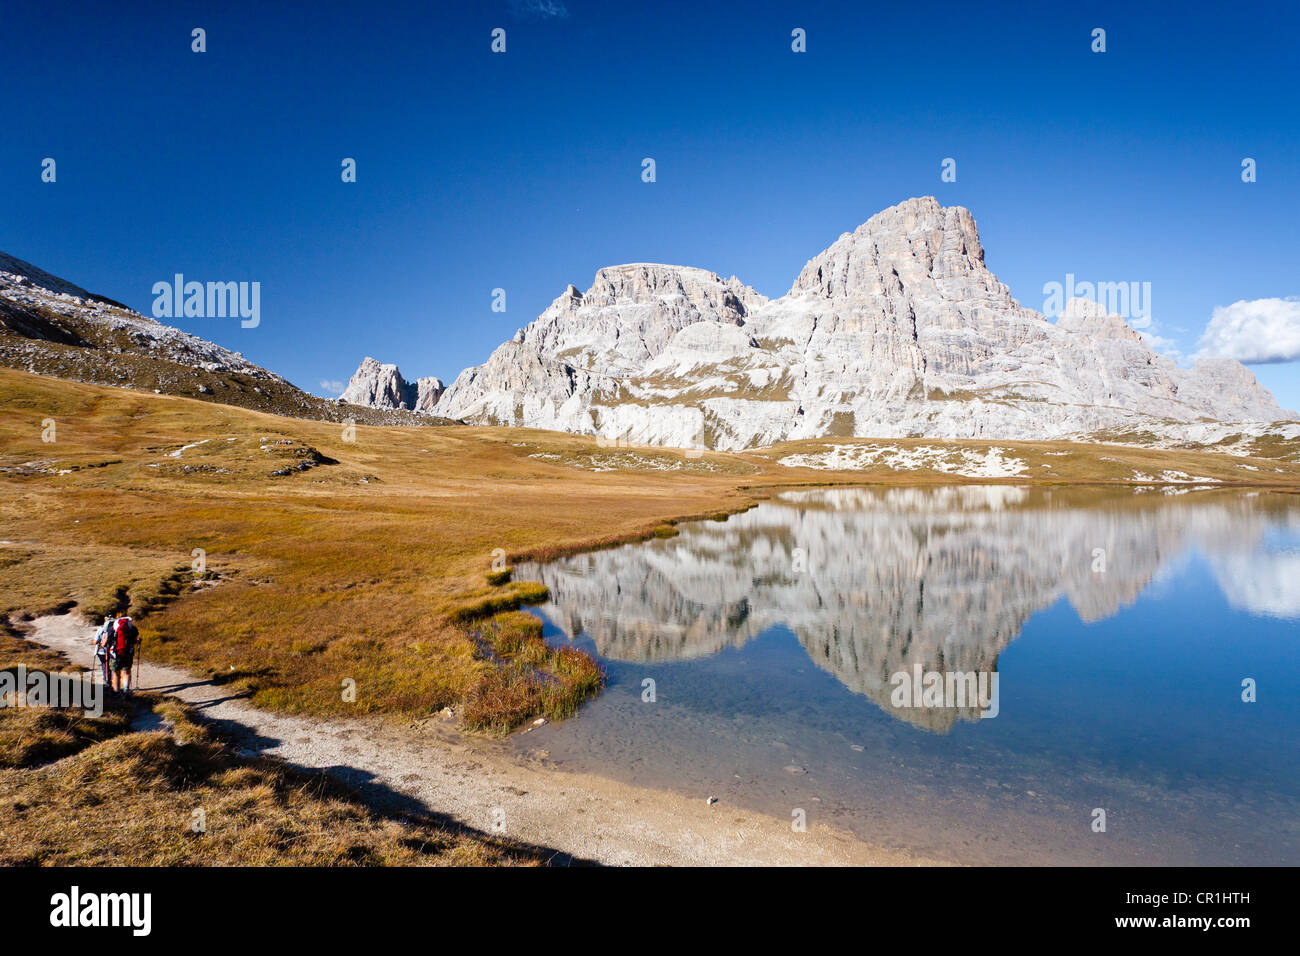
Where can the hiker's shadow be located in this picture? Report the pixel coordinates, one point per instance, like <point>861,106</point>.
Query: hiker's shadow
<point>177,687</point>
<point>216,680</point>
<point>397,804</point>
<point>207,704</point>
<point>375,790</point>
<point>245,738</point>
<point>371,789</point>
<point>198,705</point>
<point>387,801</point>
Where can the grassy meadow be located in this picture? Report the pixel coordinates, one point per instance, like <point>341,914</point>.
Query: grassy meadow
<point>294,558</point>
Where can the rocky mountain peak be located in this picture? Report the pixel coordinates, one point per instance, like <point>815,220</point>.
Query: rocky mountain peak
<point>897,329</point>
<point>631,312</point>
<point>650,283</point>
<point>912,241</point>
<point>379,385</point>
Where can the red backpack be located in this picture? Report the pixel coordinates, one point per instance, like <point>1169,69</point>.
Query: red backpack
<point>123,639</point>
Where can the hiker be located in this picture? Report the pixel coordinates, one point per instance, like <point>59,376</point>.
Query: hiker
<point>101,648</point>
<point>123,641</point>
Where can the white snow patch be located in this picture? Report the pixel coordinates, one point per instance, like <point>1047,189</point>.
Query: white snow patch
<point>1173,478</point>
<point>184,448</point>
<point>968,463</point>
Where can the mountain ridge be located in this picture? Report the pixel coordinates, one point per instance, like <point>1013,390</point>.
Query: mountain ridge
<point>51,326</point>
<point>897,329</point>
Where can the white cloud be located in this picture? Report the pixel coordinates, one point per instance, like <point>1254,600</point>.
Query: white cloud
<point>1267,583</point>
<point>334,388</point>
<point>1259,330</point>
<point>1165,346</point>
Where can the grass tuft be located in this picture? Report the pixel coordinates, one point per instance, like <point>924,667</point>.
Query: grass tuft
<point>526,677</point>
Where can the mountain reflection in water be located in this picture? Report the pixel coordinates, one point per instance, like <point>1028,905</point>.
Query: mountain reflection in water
<point>877,581</point>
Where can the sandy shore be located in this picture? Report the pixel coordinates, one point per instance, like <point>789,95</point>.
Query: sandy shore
<point>431,767</point>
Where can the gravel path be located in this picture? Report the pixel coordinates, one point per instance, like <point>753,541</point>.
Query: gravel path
<point>432,768</point>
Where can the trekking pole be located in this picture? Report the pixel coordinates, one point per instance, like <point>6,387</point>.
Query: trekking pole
<point>139,657</point>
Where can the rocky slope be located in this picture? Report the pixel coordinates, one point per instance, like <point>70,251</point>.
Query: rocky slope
<point>52,327</point>
<point>898,329</point>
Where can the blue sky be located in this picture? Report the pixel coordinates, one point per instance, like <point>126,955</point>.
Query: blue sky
<point>522,170</point>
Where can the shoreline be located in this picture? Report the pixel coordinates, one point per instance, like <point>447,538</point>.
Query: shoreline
<point>428,766</point>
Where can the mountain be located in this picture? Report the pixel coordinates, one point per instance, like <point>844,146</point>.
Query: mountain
<point>376,385</point>
<point>897,330</point>
<point>52,327</point>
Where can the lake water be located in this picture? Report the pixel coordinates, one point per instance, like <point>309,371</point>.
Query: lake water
<point>1120,624</point>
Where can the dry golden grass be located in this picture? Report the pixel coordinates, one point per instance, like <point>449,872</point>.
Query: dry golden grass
<point>374,568</point>
<point>131,801</point>
<point>35,735</point>
<point>91,791</point>
<point>531,677</point>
